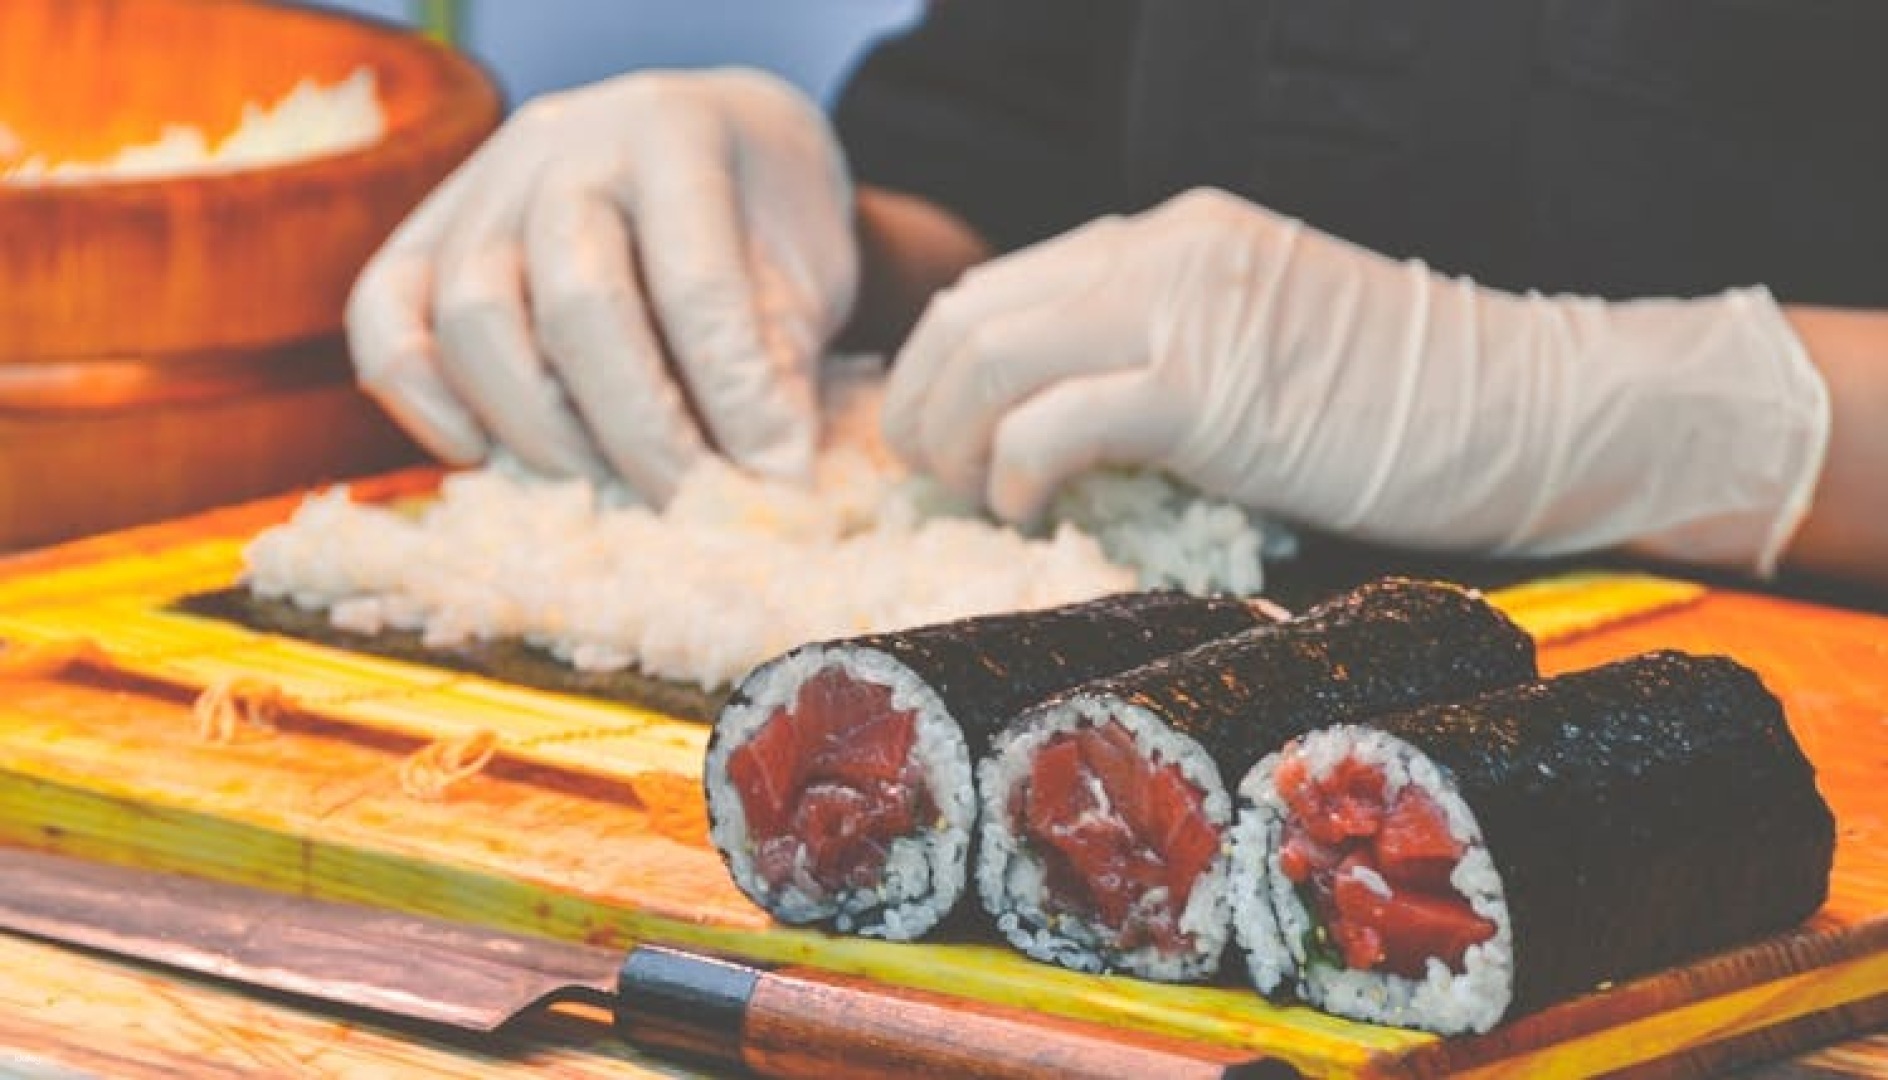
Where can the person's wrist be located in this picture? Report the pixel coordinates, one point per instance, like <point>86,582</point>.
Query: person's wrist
<point>909,249</point>
<point>1774,442</point>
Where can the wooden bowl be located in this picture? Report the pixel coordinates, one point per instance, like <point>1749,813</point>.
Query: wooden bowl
<point>205,262</point>
<point>166,344</point>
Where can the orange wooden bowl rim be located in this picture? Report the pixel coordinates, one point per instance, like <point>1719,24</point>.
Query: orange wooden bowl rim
<point>353,196</point>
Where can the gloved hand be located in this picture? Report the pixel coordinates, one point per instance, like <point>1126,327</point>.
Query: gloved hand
<point>670,253</point>
<point>1323,383</point>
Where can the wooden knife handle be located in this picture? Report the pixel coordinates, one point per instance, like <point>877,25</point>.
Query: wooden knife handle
<point>800,1023</point>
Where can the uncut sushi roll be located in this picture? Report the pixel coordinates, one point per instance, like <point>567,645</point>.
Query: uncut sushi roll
<point>839,775</point>
<point>1105,809</point>
<point>1449,866</point>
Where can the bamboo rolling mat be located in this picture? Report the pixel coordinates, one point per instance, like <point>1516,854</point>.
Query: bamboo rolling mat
<point>586,825</point>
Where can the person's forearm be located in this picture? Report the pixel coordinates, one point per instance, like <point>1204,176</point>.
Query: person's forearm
<point>909,248</point>
<point>1845,531</point>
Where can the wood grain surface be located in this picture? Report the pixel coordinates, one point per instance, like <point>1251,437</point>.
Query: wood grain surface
<point>78,473</point>
<point>105,765</point>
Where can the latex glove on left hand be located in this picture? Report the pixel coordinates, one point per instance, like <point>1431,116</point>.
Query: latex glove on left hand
<point>624,279</point>
<point>1328,385</point>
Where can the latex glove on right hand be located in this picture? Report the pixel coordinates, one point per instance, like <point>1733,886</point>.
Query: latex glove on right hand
<point>615,263</point>
<point>1328,385</point>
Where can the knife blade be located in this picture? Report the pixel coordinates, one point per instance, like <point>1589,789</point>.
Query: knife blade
<point>792,1023</point>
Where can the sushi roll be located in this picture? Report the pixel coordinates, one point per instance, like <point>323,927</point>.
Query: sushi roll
<point>839,775</point>
<point>1106,809</point>
<point>1445,867</point>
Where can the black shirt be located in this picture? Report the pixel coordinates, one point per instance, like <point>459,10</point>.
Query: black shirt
<point>1606,147</point>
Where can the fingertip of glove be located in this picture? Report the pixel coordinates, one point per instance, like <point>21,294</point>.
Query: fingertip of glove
<point>437,423</point>
<point>1015,497</point>
<point>899,424</point>
<point>787,457</point>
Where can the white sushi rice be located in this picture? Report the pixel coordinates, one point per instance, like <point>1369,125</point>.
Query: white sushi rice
<point>1012,879</point>
<point>1272,925</point>
<point>311,120</point>
<point>1172,536</point>
<point>735,569</point>
<point>925,873</point>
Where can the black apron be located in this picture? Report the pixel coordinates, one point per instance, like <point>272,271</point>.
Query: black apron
<point>1606,147</point>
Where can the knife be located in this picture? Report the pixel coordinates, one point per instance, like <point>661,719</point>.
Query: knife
<point>790,1022</point>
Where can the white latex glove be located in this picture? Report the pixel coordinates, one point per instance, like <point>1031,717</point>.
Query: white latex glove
<point>1310,378</point>
<point>669,252</point>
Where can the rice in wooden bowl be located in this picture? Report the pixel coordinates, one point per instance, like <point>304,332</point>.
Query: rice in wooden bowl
<point>187,190</point>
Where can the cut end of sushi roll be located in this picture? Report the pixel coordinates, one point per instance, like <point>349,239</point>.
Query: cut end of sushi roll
<point>839,789</point>
<point>1102,842</point>
<point>1367,886</point>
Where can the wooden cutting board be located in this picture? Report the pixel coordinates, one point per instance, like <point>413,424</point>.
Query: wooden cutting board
<point>587,825</point>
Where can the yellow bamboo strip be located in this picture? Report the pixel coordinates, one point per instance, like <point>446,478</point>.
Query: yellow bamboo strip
<point>69,1013</point>
<point>612,740</point>
<point>671,747</point>
<point>1709,1020</point>
<point>340,822</point>
<point>541,713</point>
<point>318,676</point>
<point>46,659</point>
<point>132,628</point>
<point>605,739</point>
<point>416,715</point>
<point>361,674</point>
<point>208,564</point>
<point>30,631</point>
<point>1556,608</point>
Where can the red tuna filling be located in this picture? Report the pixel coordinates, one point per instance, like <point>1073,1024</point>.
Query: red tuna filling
<point>1343,821</point>
<point>831,776</point>
<point>1152,833</point>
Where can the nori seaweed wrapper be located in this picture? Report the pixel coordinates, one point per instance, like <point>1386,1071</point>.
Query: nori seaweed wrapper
<point>507,659</point>
<point>988,668</point>
<point>983,671</point>
<point>1639,814</point>
<point>1386,646</point>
